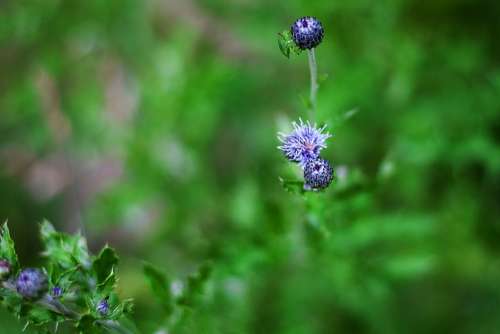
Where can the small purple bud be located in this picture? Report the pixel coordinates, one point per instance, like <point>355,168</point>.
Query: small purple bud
<point>57,292</point>
<point>4,269</point>
<point>103,307</point>
<point>32,283</point>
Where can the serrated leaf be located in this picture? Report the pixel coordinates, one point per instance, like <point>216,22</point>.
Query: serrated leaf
<point>160,285</point>
<point>108,284</point>
<point>123,308</point>
<point>7,248</point>
<point>287,45</point>
<point>104,263</point>
<point>64,249</point>
<point>285,50</point>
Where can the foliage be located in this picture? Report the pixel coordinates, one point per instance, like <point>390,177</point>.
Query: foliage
<point>83,281</point>
<point>152,125</point>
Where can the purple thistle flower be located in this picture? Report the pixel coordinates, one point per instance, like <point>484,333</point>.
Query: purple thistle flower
<point>307,32</point>
<point>304,143</point>
<point>32,283</point>
<point>318,174</point>
<point>103,307</point>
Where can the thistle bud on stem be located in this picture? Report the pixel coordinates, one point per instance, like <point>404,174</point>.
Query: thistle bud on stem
<point>5,269</point>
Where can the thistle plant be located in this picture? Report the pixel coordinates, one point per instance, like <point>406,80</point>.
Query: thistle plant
<point>78,289</point>
<point>68,290</point>
<point>305,142</point>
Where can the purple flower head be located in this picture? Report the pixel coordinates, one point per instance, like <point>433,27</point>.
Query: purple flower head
<point>4,269</point>
<point>103,307</point>
<point>304,143</point>
<point>32,283</point>
<point>307,32</point>
<point>318,174</point>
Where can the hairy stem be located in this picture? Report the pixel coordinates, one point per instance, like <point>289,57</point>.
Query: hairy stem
<point>313,68</point>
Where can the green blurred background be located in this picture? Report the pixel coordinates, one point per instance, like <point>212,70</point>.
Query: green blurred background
<point>153,124</point>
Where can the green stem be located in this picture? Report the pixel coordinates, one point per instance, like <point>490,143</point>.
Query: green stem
<point>56,306</point>
<point>115,326</point>
<point>313,68</point>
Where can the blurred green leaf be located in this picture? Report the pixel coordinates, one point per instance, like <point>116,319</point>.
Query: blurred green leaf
<point>292,186</point>
<point>7,248</point>
<point>160,286</point>
<point>86,324</point>
<point>64,249</point>
<point>195,284</point>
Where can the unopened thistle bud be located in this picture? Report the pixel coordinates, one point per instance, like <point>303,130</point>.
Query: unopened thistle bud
<point>4,269</point>
<point>57,292</point>
<point>307,32</point>
<point>32,283</point>
<point>318,174</point>
<point>103,307</point>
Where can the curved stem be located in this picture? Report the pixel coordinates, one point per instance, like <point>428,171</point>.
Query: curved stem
<point>313,68</point>
<point>56,306</point>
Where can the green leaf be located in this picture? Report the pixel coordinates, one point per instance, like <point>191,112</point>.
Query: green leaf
<point>7,250</point>
<point>106,286</point>
<point>287,45</point>
<point>38,316</point>
<point>104,263</point>
<point>306,102</point>
<point>11,300</point>
<point>123,308</point>
<point>64,249</point>
<point>292,186</point>
<point>160,285</point>
<point>86,324</point>
<point>195,285</point>
<point>285,50</point>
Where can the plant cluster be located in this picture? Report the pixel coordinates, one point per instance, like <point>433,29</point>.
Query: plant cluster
<point>74,287</point>
<point>304,143</point>
<point>78,289</point>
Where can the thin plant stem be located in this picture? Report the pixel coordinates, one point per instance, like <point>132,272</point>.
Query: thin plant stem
<point>313,68</point>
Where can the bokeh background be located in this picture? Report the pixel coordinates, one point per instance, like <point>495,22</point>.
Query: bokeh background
<point>152,126</point>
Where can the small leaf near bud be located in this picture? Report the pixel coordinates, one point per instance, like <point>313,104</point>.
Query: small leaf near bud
<point>287,45</point>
